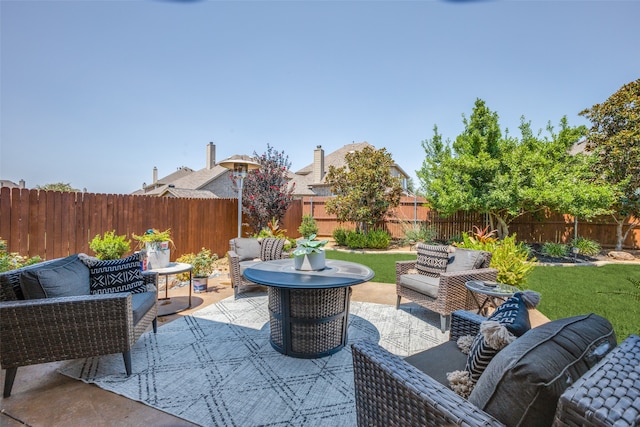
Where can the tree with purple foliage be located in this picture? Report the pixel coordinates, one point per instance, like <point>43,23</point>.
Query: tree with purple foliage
<point>266,195</point>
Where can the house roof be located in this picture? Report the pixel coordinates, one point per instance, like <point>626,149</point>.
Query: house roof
<point>336,158</point>
<point>199,179</point>
<point>187,193</point>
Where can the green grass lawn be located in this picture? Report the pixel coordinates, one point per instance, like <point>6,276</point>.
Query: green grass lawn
<point>569,291</point>
<point>383,265</point>
<point>565,291</point>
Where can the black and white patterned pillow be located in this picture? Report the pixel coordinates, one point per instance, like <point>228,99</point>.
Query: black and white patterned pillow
<point>432,259</point>
<point>509,321</point>
<point>117,275</point>
<point>271,248</point>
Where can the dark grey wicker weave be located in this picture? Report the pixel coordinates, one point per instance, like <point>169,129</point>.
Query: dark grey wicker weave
<point>452,293</point>
<point>607,395</point>
<point>52,329</point>
<point>391,392</point>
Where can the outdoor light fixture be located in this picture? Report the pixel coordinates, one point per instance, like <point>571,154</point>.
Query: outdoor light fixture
<point>240,165</point>
<point>575,251</point>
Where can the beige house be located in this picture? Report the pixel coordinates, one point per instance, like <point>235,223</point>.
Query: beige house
<point>214,180</point>
<point>311,180</point>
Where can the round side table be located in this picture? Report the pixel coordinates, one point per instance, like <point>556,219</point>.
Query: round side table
<point>171,270</point>
<point>492,294</point>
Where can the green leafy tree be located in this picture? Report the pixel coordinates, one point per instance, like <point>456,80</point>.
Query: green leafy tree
<point>614,140</point>
<point>365,191</point>
<point>505,177</point>
<point>58,186</point>
<point>266,193</point>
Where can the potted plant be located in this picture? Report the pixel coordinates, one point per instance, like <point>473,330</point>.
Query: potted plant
<point>156,244</point>
<point>203,264</point>
<point>110,246</point>
<point>309,254</point>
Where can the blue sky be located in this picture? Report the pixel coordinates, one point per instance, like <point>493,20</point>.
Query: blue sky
<point>97,93</point>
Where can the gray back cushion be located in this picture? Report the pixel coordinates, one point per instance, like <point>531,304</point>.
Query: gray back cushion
<point>63,277</point>
<point>247,248</point>
<point>464,259</point>
<point>524,381</point>
<point>432,259</point>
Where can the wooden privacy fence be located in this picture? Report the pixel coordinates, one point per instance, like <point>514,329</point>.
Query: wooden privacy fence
<point>54,224</point>
<point>557,228</point>
<point>410,212</point>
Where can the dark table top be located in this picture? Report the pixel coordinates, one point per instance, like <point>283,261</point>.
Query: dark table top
<point>281,273</point>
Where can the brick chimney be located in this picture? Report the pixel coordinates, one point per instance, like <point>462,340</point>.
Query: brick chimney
<point>318,164</point>
<point>211,155</point>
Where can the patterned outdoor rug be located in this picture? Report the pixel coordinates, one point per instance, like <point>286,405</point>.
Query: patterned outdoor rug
<point>217,368</point>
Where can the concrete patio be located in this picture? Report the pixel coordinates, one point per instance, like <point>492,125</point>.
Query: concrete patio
<point>43,397</point>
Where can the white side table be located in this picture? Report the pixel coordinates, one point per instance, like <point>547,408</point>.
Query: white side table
<point>171,270</point>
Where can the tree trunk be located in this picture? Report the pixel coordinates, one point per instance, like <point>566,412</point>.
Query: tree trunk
<point>502,227</point>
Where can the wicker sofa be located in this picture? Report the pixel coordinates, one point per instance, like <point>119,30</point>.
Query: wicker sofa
<point>69,321</point>
<point>577,383</point>
<point>245,252</point>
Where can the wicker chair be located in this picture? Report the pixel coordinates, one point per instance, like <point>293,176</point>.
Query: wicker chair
<point>391,392</point>
<point>452,294</point>
<point>244,252</point>
<point>45,330</point>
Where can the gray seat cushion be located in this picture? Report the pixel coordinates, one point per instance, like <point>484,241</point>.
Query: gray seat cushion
<point>524,381</point>
<point>246,264</point>
<point>247,248</point>
<point>141,304</point>
<point>420,283</point>
<point>439,360</point>
<point>59,278</point>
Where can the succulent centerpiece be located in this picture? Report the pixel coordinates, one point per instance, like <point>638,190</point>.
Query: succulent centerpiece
<point>309,254</point>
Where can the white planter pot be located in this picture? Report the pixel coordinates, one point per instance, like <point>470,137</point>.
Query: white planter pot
<point>158,255</point>
<point>311,262</point>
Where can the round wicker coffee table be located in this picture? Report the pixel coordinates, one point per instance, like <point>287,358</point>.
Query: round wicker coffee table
<point>308,310</point>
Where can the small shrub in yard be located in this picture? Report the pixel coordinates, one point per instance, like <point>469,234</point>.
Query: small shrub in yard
<point>510,258</point>
<point>356,240</point>
<point>378,239</point>
<point>340,236</point>
<point>109,246</point>
<point>586,246</point>
<point>556,250</point>
<point>512,261</point>
<point>13,260</point>
<point>308,226</point>
<point>419,233</point>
